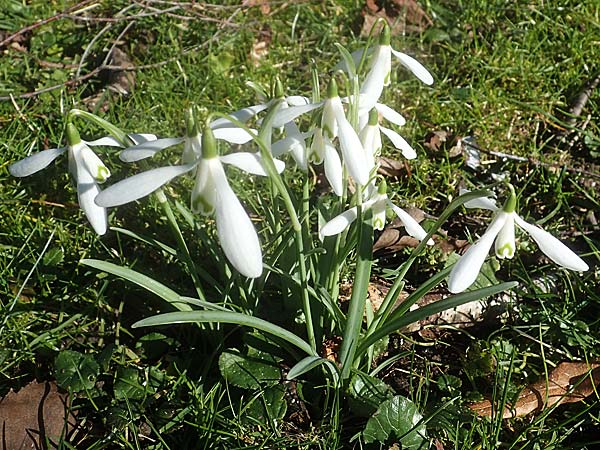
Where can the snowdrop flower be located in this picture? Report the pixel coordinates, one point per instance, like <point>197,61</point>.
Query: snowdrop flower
<point>323,151</point>
<point>334,124</point>
<point>381,64</point>
<point>502,232</point>
<point>85,167</point>
<point>378,203</point>
<point>370,136</point>
<point>211,194</point>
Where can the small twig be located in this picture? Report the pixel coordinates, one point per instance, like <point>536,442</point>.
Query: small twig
<point>581,100</point>
<point>42,22</point>
<point>532,161</point>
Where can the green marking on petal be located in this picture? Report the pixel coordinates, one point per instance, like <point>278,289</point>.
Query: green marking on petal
<point>378,223</point>
<point>200,205</point>
<point>102,174</point>
<point>506,251</point>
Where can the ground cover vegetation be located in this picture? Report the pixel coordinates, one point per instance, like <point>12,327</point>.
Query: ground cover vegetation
<point>302,323</point>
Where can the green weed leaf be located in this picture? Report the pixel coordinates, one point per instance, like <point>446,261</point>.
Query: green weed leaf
<point>268,407</point>
<point>399,418</point>
<point>252,371</point>
<point>141,280</point>
<point>367,393</point>
<point>75,371</point>
<point>127,384</point>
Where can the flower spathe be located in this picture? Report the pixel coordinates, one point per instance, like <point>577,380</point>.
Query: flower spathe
<point>501,231</point>
<point>85,167</point>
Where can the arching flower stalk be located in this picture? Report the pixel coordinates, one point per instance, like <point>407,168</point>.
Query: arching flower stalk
<point>501,231</point>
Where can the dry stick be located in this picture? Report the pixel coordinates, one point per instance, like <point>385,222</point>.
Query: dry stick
<point>98,69</point>
<point>28,28</point>
<point>533,161</point>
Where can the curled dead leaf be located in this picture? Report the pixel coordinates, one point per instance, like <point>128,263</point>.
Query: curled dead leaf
<point>260,48</point>
<point>569,382</point>
<point>35,415</point>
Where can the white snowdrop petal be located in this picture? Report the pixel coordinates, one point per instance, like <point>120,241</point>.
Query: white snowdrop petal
<point>481,203</point>
<point>333,168</point>
<point>399,142</point>
<point>353,153</point>
<point>552,247</point>
<point>250,162</point>
<point>285,115</point>
<point>87,191</point>
<point>297,100</point>
<point>411,226</point>
<point>35,162</point>
<point>505,242</point>
<point>339,223</point>
<point>242,115</point>
<point>465,271</point>
<point>237,235</point>
<point>377,78</point>
<point>234,135</point>
<point>96,215</point>
<point>390,114</point>
<point>147,149</point>
<point>93,164</point>
<point>140,138</point>
<point>107,141</point>
<point>140,185</point>
<point>415,67</point>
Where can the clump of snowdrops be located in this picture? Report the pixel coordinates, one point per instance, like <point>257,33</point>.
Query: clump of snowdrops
<point>295,243</point>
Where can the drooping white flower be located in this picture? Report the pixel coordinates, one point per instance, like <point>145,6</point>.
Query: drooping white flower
<point>334,124</point>
<point>380,69</point>
<point>86,168</point>
<point>501,231</point>
<point>378,202</point>
<point>370,134</point>
<point>323,151</point>
<point>210,195</point>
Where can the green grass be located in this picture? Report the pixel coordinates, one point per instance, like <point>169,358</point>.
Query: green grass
<point>505,74</point>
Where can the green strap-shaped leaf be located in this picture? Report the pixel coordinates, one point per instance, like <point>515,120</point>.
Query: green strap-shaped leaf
<point>433,308</point>
<point>141,280</point>
<point>309,363</point>
<point>226,317</point>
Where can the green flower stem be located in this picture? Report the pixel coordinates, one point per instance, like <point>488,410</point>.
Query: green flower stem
<point>113,130</point>
<point>269,165</point>
<point>356,308</point>
<point>392,295</point>
<point>181,244</point>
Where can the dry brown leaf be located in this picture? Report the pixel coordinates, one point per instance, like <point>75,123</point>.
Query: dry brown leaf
<point>391,168</point>
<point>260,48</point>
<point>264,5</point>
<point>33,416</point>
<point>569,382</point>
<point>403,16</point>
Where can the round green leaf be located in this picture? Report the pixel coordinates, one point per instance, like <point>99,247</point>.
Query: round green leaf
<point>75,371</point>
<point>251,371</point>
<point>400,418</point>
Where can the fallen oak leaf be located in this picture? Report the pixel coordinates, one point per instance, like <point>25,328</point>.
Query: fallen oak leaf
<point>569,382</point>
